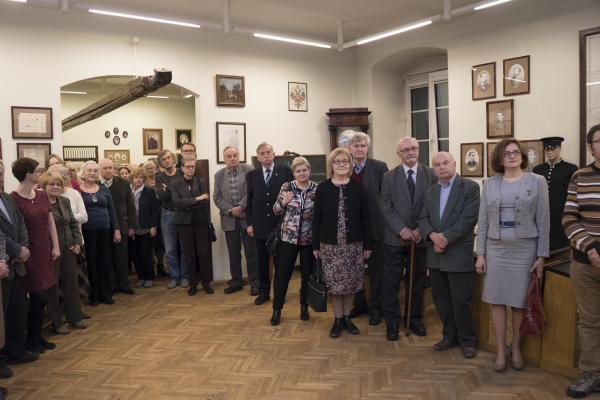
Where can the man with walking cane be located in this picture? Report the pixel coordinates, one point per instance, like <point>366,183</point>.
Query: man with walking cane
<point>402,194</point>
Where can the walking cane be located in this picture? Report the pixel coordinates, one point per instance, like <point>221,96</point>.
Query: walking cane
<point>410,285</point>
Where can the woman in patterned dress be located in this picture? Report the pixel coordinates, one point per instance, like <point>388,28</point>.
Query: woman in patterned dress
<point>341,236</point>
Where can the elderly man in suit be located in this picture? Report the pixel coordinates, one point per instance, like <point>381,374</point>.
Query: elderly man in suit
<point>369,172</point>
<point>125,207</point>
<point>263,184</point>
<point>402,195</point>
<point>229,195</point>
<point>447,222</point>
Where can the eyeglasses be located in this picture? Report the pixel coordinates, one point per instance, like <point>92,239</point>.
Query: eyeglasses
<point>514,153</point>
<point>57,184</point>
<point>410,149</point>
<point>341,162</point>
<point>189,166</point>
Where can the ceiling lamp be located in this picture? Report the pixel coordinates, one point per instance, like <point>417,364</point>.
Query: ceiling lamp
<point>292,40</point>
<point>490,4</point>
<point>395,31</point>
<point>142,18</point>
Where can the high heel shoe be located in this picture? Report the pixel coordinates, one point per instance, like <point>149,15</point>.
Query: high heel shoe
<point>501,367</point>
<point>516,365</point>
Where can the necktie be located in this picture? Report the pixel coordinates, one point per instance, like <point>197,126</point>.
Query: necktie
<point>410,182</point>
<point>267,176</point>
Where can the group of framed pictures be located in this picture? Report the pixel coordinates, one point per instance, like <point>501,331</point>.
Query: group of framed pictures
<point>32,123</point>
<point>472,157</point>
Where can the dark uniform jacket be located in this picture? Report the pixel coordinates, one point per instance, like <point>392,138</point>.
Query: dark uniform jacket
<point>124,205</point>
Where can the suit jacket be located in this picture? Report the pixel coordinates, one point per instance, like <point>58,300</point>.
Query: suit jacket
<point>124,205</point>
<point>457,224</point>
<point>223,200</point>
<point>185,201</point>
<point>261,198</point>
<point>373,172</point>
<point>15,233</point>
<point>148,215</point>
<point>397,210</point>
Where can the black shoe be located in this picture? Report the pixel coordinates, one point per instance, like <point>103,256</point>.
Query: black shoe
<point>417,328</point>
<point>192,290</point>
<point>262,299</point>
<point>588,383</point>
<point>5,372</point>
<point>349,326</point>
<point>127,291</point>
<point>392,332</point>
<point>444,345</point>
<point>108,301</point>
<point>304,315</point>
<point>46,344</point>
<point>232,289</point>
<point>85,316</point>
<point>208,289</point>
<point>356,311</point>
<point>33,346</point>
<point>24,358</point>
<point>374,318</point>
<point>3,393</point>
<point>254,291</point>
<point>337,328</point>
<point>94,303</point>
<point>276,317</point>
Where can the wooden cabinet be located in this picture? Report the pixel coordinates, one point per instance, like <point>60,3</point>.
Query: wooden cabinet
<point>341,119</point>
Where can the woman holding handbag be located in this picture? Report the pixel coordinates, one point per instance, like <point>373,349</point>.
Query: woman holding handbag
<point>295,203</point>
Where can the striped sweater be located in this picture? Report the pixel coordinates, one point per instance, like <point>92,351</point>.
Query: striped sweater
<point>581,219</point>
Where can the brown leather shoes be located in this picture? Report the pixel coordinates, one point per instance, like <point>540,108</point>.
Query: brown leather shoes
<point>469,352</point>
<point>444,345</point>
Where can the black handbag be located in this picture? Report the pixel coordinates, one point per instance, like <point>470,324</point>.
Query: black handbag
<point>212,235</point>
<point>274,239</point>
<point>316,291</point>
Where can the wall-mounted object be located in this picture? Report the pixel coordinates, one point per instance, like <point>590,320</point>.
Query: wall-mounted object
<point>297,96</point>
<point>107,134</point>
<point>116,140</point>
<point>153,141</point>
<point>472,159</point>
<point>38,151</point>
<point>80,153</point>
<point>231,91</point>
<point>116,130</point>
<point>341,119</point>
<point>516,78</point>
<point>500,119</point>
<point>491,146</point>
<point>182,136</point>
<point>534,151</point>
<point>118,156</point>
<point>483,81</point>
<point>125,134</point>
<point>589,88</point>
<point>31,122</point>
<point>231,134</point>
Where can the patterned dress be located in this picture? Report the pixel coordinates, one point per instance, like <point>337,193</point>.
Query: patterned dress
<point>343,263</point>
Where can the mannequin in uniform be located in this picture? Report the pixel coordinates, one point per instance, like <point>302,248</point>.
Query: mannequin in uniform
<point>558,174</point>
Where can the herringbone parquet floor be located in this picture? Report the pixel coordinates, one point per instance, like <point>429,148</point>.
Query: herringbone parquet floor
<point>163,344</point>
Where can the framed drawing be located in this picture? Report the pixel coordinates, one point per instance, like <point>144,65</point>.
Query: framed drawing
<point>297,96</point>
<point>182,136</point>
<point>231,134</point>
<point>500,119</point>
<point>535,153</point>
<point>471,159</point>
<point>231,91</point>
<point>516,76</point>
<point>31,122</point>
<point>118,156</point>
<point>153,141</point>
<point>483,81</point>
<point>589,89</point>
<point>491,146</point>
<point>80,153</point>
<point>38,151</point>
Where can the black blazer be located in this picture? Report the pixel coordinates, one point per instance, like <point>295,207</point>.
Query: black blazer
<point>261,197</point>
<point>372,177</point>
<point>149,211</point>
<point>325,220</point>
<point>124,206</point>
<point>15,232</point>
<point>185,201</point>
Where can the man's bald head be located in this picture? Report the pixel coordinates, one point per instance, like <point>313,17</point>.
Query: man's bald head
<point>444,166</point>
<point>407,149</point>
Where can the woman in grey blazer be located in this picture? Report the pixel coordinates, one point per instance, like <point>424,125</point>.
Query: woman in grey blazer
<point>512,242</point>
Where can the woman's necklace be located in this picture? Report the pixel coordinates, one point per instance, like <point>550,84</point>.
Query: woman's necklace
<point>94,198</point>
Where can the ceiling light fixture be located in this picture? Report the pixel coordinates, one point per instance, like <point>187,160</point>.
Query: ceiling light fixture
<point>72,92</point>
<point>187,96</point>
<point>157,97</point>
<point>490,4</point>
<point>18,1</point>
<point>142,18</point>
<point>393,32</point>
<point>292,40</point>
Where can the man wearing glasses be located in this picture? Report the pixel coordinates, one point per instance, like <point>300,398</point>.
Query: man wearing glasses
<point>402,193</point>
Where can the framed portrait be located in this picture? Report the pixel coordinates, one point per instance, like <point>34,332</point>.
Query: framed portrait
<point>297,96</point>
<point>118,156</point>
<point>38,151</point>
<point>483,81</point>
<point>500,119</point>
<point>153,141</point>
<point>182,136</point>
<point>31,122</point>
<point>535,153</point>
<point>231,91</point>
<point>471,159</point>
<point>231,134</point>
<point>516,76</point>
<point>589,93</point>
<point>491,146</point>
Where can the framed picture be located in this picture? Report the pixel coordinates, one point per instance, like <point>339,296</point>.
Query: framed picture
<point>231,134</point>
<point>31,122</point>
<point>535,153</point>
<point>589,106</point>
<point>491,146</point>
<point>483,81</point>
<point>297,96</point>
<point>80,153</point>
<point>153,141</point>
<point>500,119</point>
<point>118,156</point>
<point>471,159</point>
<point>182,136</point>
<point>231,91</point>
<point>38,151</point>
<point>0,149</point>
<point>516,76</point>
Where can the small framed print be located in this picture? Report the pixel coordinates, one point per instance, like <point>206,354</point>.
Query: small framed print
<point>500,119</point>
<point>472,159</point>
<point>125,134</point>
<point>153,141</point>
<point>182,136</point>
<point>31,122</point>
<point>535,153</point>
<point>516,76</point>
<point>107,134</point>
<point>38,151</point>
<point>231,91</point>
<point>491,146</point>
<point>116,140</point>
<point>297,96</point>
<point>118,156</point>
<point>483,81</point>
<point>231,134</point>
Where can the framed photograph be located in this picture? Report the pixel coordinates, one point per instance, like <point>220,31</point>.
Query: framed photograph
<point>535,153</point>
<point>116,140</point>
<point>472,159</point>
<point>80,153</point>
<point>231,91</point>
<point>297,96</point>
<point>516,76</point>
<point>31,122</point>
<point>182,136</point>
<point>589,95</point>
<point>153,141</point>
<point>37,151</point>
<point>231,134</point>
<point>491,146</point>
<point>118,156</point>
<point>107,134</point>
<point>500,119</point>
<point>483,81</point>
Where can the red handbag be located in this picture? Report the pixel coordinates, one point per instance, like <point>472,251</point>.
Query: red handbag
<point>534,321</point>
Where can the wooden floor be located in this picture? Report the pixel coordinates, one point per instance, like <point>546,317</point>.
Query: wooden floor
<point>163,344</point>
